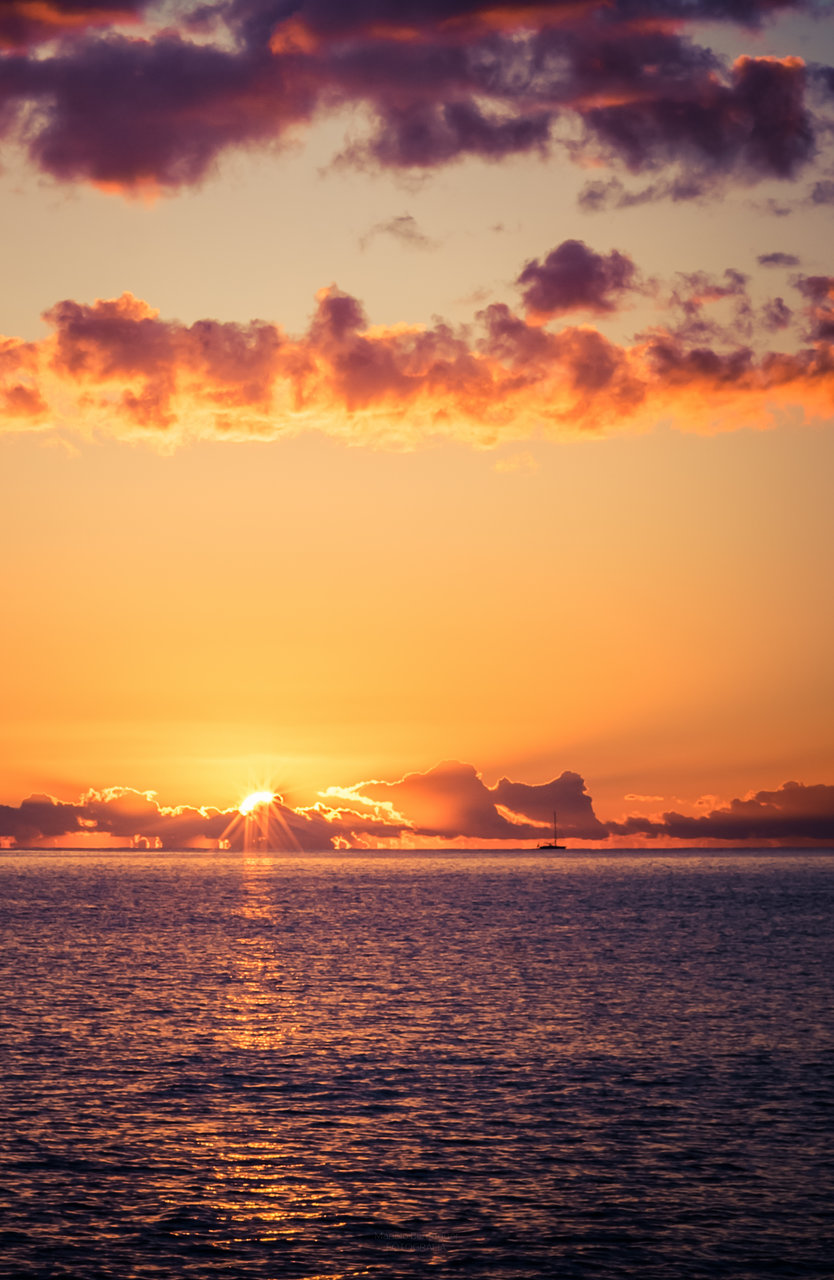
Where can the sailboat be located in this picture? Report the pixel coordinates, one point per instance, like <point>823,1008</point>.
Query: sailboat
<point>555,842</point>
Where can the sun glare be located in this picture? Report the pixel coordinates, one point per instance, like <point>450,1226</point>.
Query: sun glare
<point>254,801</point>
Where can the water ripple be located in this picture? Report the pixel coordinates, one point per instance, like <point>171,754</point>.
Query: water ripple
<point>388,1065</point>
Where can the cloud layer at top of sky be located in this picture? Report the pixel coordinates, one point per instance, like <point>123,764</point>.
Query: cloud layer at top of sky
<point>142,96</point>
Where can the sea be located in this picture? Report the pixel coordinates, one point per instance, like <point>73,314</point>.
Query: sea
<point>405,1064</point>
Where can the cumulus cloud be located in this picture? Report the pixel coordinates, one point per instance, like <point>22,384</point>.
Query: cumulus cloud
<point>115,367</point>
<point>574,278</point>
<point>452,801</point>
<point>128,96</point>
<point>566,795</point>
<point>126,817</point>
<point>447,804</point>
<point>38,818</point>
<point>793,813</point>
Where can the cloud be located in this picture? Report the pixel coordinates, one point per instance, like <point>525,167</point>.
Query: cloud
<point>38,817</point>
<point>402,227</point>
<point>30,22</point>
<point>116,368</point>
<point>451,801</point>
<point>694,297</point>
<point>155,104</point>
<point>427,135</point>
<point>794,812</point>
<point>601,195</point>
<point>574,278</point>
<point>118,357</point>
<point>149,114</point>
<point>778,260</point>
<point>754,123</point>
<point>566,795</point>
<point>776,314</point>
<point>447,804</point>
<point>125,816</point>
<point>340,18</point>
<point>823,192</point>
<point>819,290</point>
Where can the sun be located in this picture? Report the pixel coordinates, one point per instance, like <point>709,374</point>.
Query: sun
<point>255,801</point>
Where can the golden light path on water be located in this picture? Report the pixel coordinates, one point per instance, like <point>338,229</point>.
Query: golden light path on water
<point>256,1178</point>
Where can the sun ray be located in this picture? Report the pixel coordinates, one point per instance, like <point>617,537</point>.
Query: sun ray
<point>259,824</point>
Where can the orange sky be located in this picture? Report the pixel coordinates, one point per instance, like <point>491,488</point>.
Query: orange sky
<point>367,466</point>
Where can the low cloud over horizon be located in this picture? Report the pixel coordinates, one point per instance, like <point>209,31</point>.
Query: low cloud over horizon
<point>449,804</point>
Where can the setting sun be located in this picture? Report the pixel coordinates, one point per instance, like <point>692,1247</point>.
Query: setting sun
<point>255,801</point>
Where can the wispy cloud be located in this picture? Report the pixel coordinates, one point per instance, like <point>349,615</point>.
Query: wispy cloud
<point>402,227</point>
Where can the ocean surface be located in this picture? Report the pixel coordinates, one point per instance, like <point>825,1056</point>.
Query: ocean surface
<point>404,1064</point>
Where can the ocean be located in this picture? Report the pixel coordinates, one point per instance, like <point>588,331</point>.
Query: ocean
<point>472,1064</point>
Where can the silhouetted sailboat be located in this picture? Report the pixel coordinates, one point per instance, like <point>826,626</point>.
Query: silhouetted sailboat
<point>555,842</point>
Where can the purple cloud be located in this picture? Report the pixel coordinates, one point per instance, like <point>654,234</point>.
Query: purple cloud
<point>23,23</point>
<point>441,81</point>
<point>756,124</point>
<point>778,260</point>
<point>819,290</point>
<point>794,812</point>
<point>575,278</point>
<point>453,801</point>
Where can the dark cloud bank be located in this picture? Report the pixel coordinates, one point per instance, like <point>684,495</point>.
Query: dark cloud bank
<point>98,91</point>
<point>448,803</point>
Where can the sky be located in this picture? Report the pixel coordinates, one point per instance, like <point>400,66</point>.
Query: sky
<point>420,411</point>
